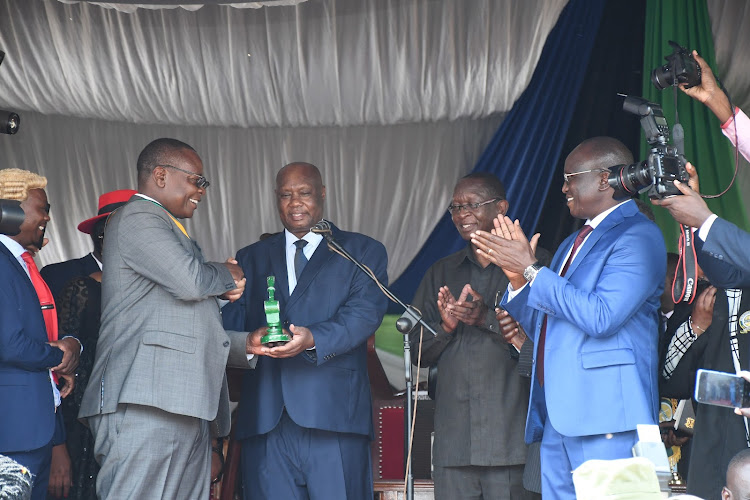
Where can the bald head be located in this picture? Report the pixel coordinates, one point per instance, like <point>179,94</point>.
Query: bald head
<point>738,477</point>
<point>299,168</point>
<point>606,151</point>
<point>300,194</point>
<point>586,188</point>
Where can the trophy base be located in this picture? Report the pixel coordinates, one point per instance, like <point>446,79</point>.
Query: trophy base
<point>274,339</point>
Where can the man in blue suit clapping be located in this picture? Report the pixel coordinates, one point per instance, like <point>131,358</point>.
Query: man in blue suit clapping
<point>593,315</point>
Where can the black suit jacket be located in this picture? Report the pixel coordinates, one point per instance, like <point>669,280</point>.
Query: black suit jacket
<point>719,433</point>
<point>58,275</point>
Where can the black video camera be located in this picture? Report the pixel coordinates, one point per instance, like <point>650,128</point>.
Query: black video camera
<point>663,165</point>
<point>681,67</point>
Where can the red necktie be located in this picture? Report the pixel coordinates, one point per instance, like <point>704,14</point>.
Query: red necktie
<point>585,230</point>
<point>45,299</point>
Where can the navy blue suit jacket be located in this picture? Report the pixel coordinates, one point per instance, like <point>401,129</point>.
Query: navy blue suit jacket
<point>327,388</point>
<point>600,353</point>
<point>725,255</point>
<point>27,411</point>
<point>57,275</point>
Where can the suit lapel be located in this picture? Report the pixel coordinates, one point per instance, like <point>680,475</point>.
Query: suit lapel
<point>612,220</point>
<point>278,265</point>
<point>13,262</point>
<point>314,266</point>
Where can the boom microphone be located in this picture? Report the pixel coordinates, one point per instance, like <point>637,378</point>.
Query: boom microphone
<point>322,227</point>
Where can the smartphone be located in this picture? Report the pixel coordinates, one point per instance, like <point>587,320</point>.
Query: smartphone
<point>722,389</point>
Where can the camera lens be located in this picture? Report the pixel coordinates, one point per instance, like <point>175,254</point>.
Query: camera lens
<point>662,77</point>
<point>627,180</point>
<point>9,122</point>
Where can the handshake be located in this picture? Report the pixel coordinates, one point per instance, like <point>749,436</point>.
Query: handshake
<point>239,280</point>
<point>302,338</point>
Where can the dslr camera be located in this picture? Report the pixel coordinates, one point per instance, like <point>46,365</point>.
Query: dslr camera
<point>664,165</point>
<point>681,67</point>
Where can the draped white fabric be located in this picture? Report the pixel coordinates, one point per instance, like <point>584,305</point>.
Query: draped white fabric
<point>324,62</point>
<point>393,99</point>
<point>132,7</point>
<point>390,182</point>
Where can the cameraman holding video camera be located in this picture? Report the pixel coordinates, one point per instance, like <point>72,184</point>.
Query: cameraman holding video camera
<point>713,342</point>
<point>721,245</point>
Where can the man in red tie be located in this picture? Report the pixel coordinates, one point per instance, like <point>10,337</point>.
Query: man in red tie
<point>32,358</point>
<point>593,315</point>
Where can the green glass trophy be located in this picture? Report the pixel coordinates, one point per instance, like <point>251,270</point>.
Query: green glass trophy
<point>275,335</point>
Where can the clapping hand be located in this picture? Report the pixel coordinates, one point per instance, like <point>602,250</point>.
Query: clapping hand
<point>507,247</point>
<point>469,308</point>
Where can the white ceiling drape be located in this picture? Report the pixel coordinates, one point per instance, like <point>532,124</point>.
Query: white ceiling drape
<point>392,99</point>
<point>324,62</point>
<point>131,6</point>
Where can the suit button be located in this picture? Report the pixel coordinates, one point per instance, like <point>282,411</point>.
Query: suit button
<point>226,343</point>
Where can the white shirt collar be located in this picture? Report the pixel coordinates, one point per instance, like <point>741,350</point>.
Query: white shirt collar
<point>312,238</point>
<point>148,198</point>
<point>99,263</point>
<point>599,218</point>
<point>15,247</point>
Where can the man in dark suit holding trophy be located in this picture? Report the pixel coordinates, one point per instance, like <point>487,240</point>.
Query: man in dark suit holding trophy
<point>305,416</point>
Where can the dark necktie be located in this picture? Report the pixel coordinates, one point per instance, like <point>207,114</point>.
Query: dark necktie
<point>585,230</point>
<point>45,298</point>
<point>299,258</point>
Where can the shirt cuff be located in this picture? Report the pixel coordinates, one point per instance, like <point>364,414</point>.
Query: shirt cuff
<point>706,227</point>
<point>512,293</point>
<point>250,356</point>
<point>730,119</point>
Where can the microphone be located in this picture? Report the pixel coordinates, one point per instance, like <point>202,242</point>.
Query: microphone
<point>322,227</point>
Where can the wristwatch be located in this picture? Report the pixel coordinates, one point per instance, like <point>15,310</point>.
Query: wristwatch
<point>530,272</point>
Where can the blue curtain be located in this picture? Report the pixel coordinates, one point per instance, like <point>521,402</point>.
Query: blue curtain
<point>524,151</point>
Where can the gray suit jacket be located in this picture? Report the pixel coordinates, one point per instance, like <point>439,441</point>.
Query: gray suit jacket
<point>161,341</point>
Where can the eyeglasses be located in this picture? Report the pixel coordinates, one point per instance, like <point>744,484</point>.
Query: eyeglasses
<point>456,209</point>
<point>568,176</point>
<point>200,181</point>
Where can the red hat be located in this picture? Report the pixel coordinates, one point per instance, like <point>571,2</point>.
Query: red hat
<point>108,203</point>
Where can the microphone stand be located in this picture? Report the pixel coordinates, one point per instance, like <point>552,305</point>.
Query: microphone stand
<point>405,324</point>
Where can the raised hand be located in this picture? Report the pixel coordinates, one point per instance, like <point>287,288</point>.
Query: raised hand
<point>688,209</point>
<point>445,298</point>
<point>708,92</point>
<point>508,248</point>
<point>703,310</point>
<point>469,308</point>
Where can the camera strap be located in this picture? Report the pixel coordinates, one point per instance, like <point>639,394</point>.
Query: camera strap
<point>686,274</point>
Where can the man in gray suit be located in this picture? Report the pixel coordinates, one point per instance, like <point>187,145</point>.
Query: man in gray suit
<point>157,392</point>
